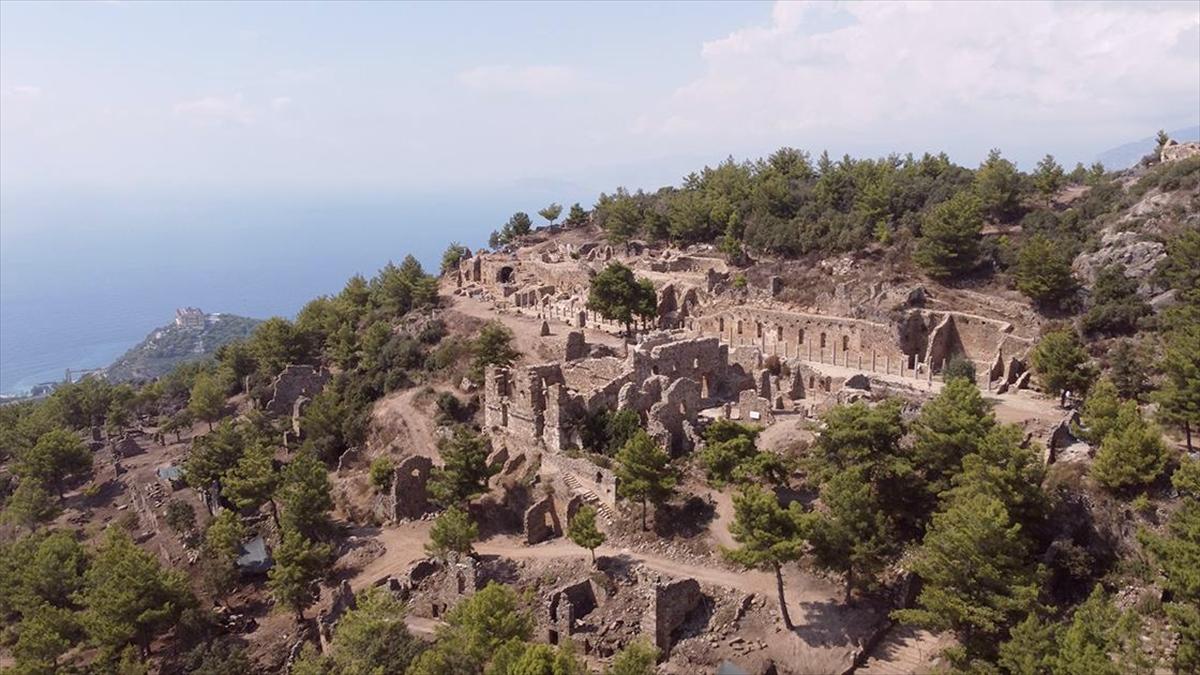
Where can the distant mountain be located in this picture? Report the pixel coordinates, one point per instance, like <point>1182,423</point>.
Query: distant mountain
<point>1125,156</point>
<point>193,336</point>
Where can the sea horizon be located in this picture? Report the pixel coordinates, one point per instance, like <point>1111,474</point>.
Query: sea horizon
<point>86,277</point>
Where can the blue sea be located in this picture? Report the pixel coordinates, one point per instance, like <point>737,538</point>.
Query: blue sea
<point>86,275</point>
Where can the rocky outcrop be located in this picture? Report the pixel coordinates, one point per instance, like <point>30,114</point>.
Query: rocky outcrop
<point>1136,254</point>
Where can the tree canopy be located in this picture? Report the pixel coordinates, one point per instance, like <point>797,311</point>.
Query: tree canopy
<point>620,297</point>
<point>644,472</point>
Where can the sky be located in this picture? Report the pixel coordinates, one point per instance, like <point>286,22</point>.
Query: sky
<point>280,97</point>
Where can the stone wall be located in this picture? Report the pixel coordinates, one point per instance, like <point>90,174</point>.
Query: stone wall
<point>919,337</point>
<point>541,521</point>
<point>566,605</point>
<point>440,587</point>
<point>811,337</point>
<point>664,379</point>
<point>600,481</point>
<point>671,603</point>
<point>408,498</point>
<point>291,384</point>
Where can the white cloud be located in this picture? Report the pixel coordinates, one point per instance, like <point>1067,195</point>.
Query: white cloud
<point>921,68</point>
<point>217,110</point>
<point>22,92</point>
<point>540,80</point>
<point>281,103</point>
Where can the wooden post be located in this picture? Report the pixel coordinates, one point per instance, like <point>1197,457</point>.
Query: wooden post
<point>887,364</point>
<point>872,360</point>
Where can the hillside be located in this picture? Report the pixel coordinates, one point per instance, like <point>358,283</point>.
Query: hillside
<point>173,344</point>
<point>787,417</point>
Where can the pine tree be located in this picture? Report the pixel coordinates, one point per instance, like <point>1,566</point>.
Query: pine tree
<point>1132,455</point>
<point>58,456</point>
<point>950,237</point>
<point>619,296</point>
<point>1127,370</point>
<point>1098,416</point>
<point>551,212</point>
<point>950,426</point>
<point>768,535</point>
<point>977,581</point>
<point>29,505</point>
<point>372,637</point>
<point>1031,649</point>
<point>1044,270</point>
<point>577,215</point>
<point>492,347</point>
<point>304,494</point>
<point>43,635</point>
<point>299,566</point>
<point>583,531</point>
<point>1179,397</point>
<point>213,454</point>
<point>253,480</point>
<point>1116,306</point>
<point>853,533</point>
<point>222,545</point>
<point>382,473</point>
<point>1004,468</point>
<point>1062,364</point>
<point>637,658</point>
<point>464,472</point>
<point>644,472</point>
<point>207,400</point>
<point>1099,640</point>
<point>128,596</point>
<point>1048,177</point>
<point>1177,554</point>
<point>998,186</point>
<point>452,533</point>
<point>474,630</point>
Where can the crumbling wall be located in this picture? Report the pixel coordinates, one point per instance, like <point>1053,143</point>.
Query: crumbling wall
<point>754,408</point>
<point>541,521</point>
<point>294,382</point>
<point>408,498</point>
<point>671,603</point>
<point>566,605</point>
<point>440,586</point>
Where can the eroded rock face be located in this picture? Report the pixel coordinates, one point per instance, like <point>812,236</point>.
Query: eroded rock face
<point>1138,256</point>
<point>1173,151</point>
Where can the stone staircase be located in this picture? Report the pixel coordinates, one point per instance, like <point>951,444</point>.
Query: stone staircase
<point>905,650</point>
<point>590,497</point>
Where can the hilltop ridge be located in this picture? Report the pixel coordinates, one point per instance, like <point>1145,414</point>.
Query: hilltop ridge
<point>192,336</point>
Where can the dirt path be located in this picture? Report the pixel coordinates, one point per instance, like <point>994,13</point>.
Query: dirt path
<point>405,544</point>
<point>399,424</point>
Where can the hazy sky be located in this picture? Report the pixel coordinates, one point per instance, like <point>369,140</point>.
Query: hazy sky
<point>375,96</point>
